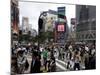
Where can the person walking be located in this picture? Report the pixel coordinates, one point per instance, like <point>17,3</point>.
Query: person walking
<point>86,60</point>
<point>77,61</point>
<point>45,57</point>
<point>21,61</point>
<point>48,59</point>
<point>35,64</point>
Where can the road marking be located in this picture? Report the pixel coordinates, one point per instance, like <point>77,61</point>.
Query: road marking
<point>61,61</point>
<point>60,66</point>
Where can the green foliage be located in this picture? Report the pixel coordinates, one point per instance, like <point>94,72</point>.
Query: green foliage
<point>39,38</point>
<point>24,37</point>
<point>45,35</point>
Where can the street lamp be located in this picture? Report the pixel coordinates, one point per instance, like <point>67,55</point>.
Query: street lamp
<point>41,23</point>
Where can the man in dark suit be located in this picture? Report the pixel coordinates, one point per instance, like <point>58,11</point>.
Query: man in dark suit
<point>35,64</point>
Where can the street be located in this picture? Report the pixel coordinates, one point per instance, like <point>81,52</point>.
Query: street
<point>60,65</point>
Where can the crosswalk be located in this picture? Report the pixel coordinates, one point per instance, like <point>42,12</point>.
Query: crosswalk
<point>61,65</point>
<point>60,61</point>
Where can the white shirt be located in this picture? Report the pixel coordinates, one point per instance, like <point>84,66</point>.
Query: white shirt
<point>86,48</point>
<point>93,51</point>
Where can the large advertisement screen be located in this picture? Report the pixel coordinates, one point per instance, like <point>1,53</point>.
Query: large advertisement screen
<point>60,28</point>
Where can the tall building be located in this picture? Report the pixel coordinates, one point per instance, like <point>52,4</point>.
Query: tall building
<point>50,17</point>
<point>14,21</point>
<point>30,27</point>
<point>61,26</point>
<point>86,23</point>
<point>61,13</point>
<point>56,22</point>
<point>25,25</point>
<point>14,16</point>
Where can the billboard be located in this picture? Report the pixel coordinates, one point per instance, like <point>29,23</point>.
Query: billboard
<point>61,28</point>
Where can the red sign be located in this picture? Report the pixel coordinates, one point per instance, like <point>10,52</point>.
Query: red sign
<point>60,28</point>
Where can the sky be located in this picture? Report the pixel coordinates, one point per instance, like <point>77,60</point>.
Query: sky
<point>32,11</point>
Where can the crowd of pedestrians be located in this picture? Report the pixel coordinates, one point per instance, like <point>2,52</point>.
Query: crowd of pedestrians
<point>77,57</point>
<point>41,58</point>
<point>80,57</point>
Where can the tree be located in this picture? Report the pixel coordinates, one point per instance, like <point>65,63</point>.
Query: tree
<point>24,37</point>
<point>43,36</point>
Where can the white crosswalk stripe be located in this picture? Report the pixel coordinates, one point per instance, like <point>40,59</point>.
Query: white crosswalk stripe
<point>60,66</point>
<point>60,61</point>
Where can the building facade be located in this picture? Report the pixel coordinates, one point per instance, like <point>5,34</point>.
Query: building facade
<point>61,31</point>
<point>14,21</point>
<point>49,19</point>
<point>86,23</point>
<point>56,22</point>
<point>25,25</point>
<point>52,18</point>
